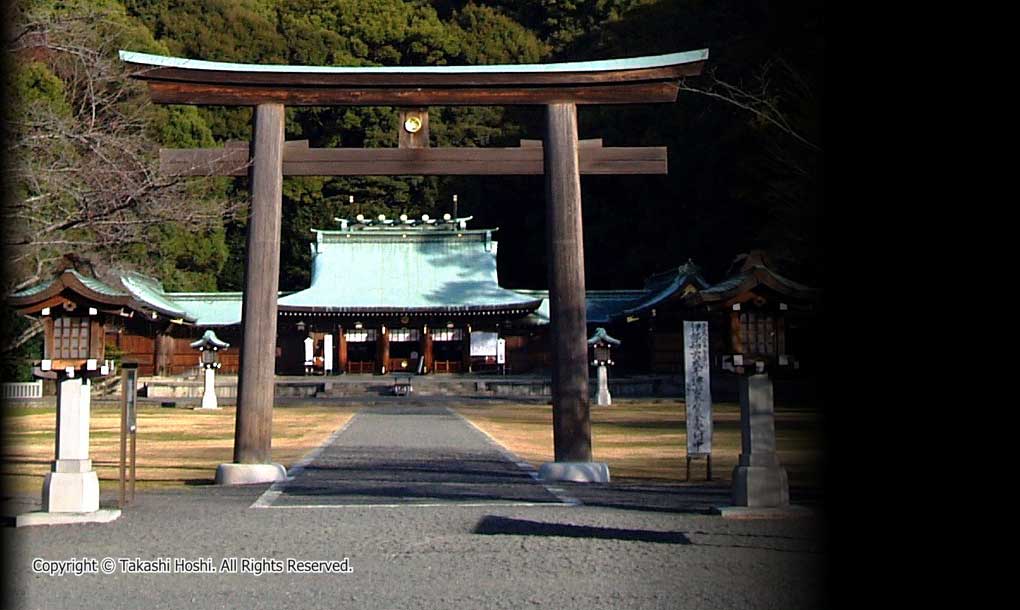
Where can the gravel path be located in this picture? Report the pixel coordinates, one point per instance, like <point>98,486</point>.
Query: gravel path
<point>430,514</point>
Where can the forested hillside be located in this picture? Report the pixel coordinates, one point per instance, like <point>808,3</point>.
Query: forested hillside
<point>81,186</point>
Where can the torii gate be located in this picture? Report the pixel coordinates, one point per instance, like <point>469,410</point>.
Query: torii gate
<point>559,87</point>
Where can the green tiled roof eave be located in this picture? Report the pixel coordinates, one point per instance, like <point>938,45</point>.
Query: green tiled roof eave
<point>604,306</point>
<point>98,285</point>
<point>34,290</point>
<point>150,292</point>
<point>656,297</point>
<point>211,308</point>
<point>726,285</point>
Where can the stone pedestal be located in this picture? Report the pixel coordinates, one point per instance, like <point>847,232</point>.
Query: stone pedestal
<point>603,399</point>
<point>72,486</point>
<point>576,472</point>
<point>249,474</point>
<point>758,479</point>
<point>209,394</point>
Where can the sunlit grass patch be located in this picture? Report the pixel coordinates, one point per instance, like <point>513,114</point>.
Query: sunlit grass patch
<point>179,446</point>
<point>648,439</point>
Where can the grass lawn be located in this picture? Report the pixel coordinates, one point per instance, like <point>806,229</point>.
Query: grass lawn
<point>646,439</point>
<point>639,439</point>
<point>177,446</point>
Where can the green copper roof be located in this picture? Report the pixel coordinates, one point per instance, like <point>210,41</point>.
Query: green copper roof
<point>633,63</point>
<point>737,280</point>
<point>601,306</point>
<point>209,339</point>
<point>663,285</point>
<point>404,270</point>
<point>97,285</point>
<point>601,336</point>
<point>89,282</point>
<point>210,308</point>
<point>27,292</point>
<point>150,292</point>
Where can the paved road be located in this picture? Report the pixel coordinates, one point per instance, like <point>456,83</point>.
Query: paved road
<point>431,515</point>
<point>410,454</point>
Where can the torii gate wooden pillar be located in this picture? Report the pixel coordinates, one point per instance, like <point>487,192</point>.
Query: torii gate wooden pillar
<point>562,159</point>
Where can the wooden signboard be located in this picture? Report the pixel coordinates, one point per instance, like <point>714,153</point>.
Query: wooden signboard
<point>697,389</point>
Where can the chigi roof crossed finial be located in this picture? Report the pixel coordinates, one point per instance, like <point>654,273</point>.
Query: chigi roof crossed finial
<point>404,222</point>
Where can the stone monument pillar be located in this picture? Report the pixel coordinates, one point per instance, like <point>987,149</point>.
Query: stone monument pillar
<point>758,479</point>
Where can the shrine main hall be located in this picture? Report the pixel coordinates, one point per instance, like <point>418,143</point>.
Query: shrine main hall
<point>423,296</point>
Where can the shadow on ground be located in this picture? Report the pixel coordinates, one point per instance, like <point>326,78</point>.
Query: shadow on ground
<point>492,525</point>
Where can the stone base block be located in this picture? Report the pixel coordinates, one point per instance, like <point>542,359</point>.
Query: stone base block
<point>760,486</point>
<point>70,492</point>
<point>249,474</point>
<point>205,408</point>
<point>749,512</point>
<point>104,515</point>
<point>577,472</point>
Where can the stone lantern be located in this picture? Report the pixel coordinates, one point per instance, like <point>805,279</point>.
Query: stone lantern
<point>601,344</point>
<point>74,351</point>
<point>209,347</point>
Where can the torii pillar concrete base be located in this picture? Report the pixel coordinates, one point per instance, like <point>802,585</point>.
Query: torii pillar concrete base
<point>575,472</point>
<point>249,474</point>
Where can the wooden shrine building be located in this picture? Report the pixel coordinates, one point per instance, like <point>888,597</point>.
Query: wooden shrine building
<point>424,297</point>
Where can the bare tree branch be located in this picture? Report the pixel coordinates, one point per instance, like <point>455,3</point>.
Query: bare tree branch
<point>85,171</point>
<point>760,101</point>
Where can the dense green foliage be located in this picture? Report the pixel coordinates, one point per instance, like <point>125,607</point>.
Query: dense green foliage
<point>735,183</point>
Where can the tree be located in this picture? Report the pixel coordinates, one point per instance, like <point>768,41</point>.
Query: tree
<point>82,148</point>
<point>82,186</point>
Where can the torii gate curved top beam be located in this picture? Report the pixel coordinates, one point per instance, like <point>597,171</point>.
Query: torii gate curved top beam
<point>176,80</point>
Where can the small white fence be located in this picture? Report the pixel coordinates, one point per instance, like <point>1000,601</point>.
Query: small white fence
<point>29,389</point>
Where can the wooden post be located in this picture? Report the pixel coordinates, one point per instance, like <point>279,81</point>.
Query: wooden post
<point>256,379</point>
<point>466,350</point>
<point>565,256</point>
<point>736,333</point>
<point>426,350</point>
<point>122,491</point>
<point>164,351</point>
<point>48,347</point>
<point>341,349</point>
<point>97,339</point>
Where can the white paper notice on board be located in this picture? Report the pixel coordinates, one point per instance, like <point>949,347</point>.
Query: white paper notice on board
<point>484,343</point>
<point>501,351</point>
<point>309,349</point>
<point>327,352</point>
<point>697,388</point>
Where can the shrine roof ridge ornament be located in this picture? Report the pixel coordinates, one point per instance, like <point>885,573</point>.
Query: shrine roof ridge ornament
<point>179,80</point>
<point>404,223</point>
